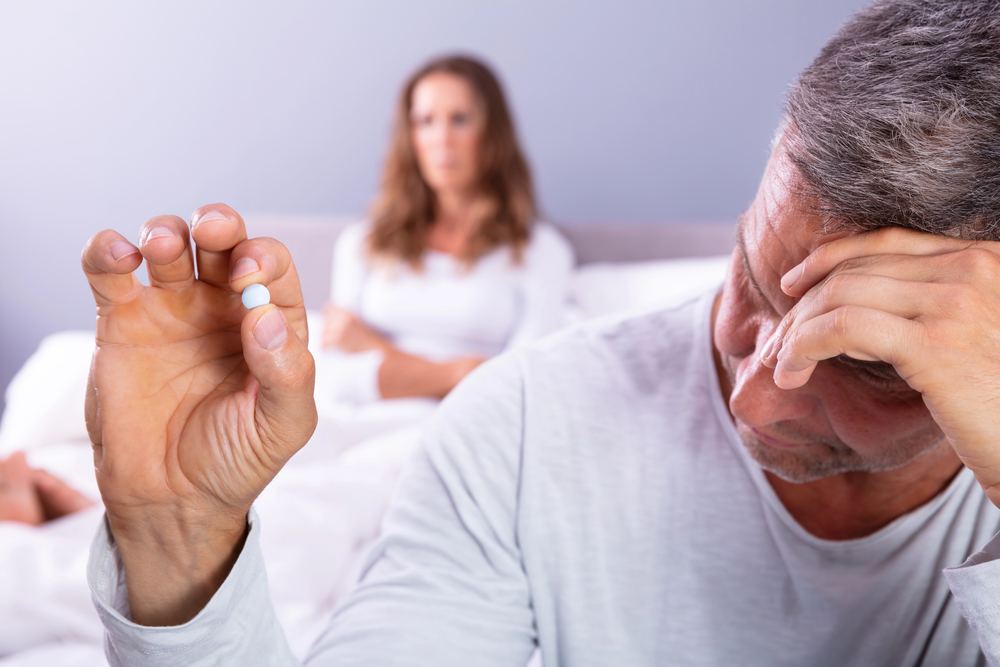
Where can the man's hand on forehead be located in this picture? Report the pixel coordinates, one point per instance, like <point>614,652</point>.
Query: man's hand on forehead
<point>928,305</point>
<point>857,266</point>
<point>878,281</point>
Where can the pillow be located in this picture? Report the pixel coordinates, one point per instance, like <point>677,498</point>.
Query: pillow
<point>623,287</point>
<point>45,399</point>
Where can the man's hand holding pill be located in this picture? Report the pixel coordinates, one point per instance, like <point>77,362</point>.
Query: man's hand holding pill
<point>195,402</point>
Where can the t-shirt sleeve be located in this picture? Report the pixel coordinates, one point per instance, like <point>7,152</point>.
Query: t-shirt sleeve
<point>548,268</point>
<point>342,376</point>
<point>350,264</point>
<point>445,584</point>
<point>237,627</point>
<point>976,587</point>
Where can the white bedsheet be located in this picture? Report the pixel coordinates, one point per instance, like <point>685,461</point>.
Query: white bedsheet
<point>319,514</point>
<point>319,517</point>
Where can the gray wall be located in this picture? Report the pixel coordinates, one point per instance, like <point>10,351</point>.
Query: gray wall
<point>115,111</point>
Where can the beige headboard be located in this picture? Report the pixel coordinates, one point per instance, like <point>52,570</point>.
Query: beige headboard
<point>310,240</point>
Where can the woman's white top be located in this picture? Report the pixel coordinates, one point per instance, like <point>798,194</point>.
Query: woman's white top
<point>446,310</point>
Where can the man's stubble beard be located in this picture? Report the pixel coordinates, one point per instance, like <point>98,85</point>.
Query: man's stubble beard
<point>822,459</point>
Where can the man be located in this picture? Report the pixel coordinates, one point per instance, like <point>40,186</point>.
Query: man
<point>774,475</point>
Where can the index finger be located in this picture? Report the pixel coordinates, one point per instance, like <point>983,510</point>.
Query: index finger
<point>108,261</point>
<point>886,241</point>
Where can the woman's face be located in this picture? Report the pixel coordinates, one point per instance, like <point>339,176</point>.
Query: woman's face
<point>447,124</point>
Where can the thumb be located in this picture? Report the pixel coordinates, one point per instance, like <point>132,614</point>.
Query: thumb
<point>284,370</point>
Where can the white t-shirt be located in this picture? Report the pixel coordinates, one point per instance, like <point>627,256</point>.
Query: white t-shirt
<point>446,310</point>
<point>590,494</point>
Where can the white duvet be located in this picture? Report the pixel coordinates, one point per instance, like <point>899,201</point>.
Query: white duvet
<point>318,516</point>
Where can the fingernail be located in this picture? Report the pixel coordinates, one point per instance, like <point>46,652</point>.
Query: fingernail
<point>208,216</point>
<point>791,277</point>
<point>765,351</point>
<point>780,356</point>
<point>244,267</point>
<point>157,232</point>
<point>270,331</point>
<point>785,378</point>
<point>121,249</point>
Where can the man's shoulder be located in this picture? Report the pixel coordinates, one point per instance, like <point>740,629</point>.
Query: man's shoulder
<point>594,366</point>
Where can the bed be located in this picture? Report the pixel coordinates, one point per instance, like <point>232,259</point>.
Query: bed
<point>331,496</point>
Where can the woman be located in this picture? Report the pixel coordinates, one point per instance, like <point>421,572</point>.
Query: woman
<point>452,268</point>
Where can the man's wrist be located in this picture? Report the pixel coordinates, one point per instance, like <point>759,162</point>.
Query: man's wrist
<point>173,568</point>
<point>218,634</point>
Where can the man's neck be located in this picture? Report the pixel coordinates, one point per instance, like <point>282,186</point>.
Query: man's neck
<point>856,504</point>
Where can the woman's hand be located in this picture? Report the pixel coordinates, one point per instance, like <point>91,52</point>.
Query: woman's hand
<point>343,330</point>
<point>929,305</point>
<point>194,403</point>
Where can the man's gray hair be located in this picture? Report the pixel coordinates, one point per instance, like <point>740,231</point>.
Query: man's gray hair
<point>897,121</point>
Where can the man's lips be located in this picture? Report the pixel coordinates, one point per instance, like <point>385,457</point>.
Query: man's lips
<point>771,441</point>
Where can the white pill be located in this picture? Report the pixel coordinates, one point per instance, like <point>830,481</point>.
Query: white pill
<point>256,295</point>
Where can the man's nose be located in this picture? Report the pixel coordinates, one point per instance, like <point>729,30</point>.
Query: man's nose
<point>757,401</point>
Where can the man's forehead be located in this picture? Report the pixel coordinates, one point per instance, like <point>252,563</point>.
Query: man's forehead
<point>778,231</point>
<point>782,225</point>
<point>787,242</point>
<point>767,245</point>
